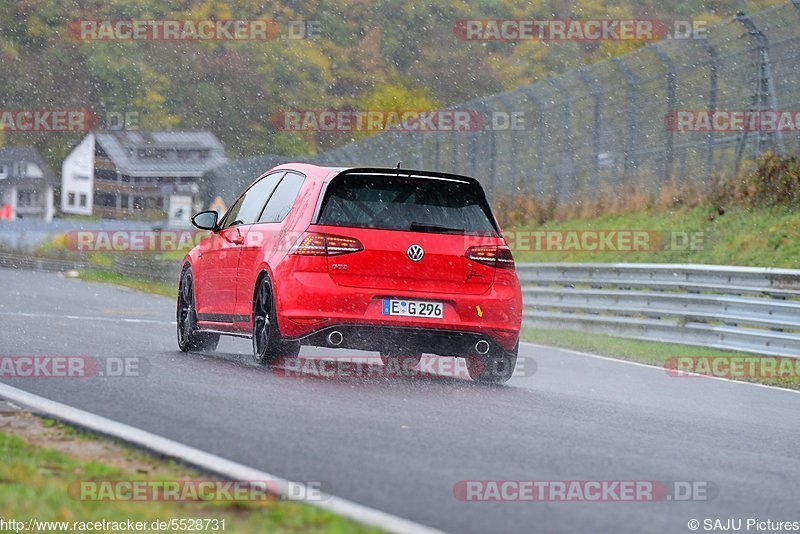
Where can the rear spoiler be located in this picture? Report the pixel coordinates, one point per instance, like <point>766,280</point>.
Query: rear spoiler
<point>405,173</point>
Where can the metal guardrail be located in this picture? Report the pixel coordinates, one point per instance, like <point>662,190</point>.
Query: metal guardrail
<point>747,309</point>
<point>136,267</point>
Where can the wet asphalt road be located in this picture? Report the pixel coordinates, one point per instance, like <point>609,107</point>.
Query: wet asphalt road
<point>401,444</point>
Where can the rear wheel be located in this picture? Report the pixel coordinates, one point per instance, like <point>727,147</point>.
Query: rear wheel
<point>267,343</point>
<point>189,339</point>
<point>496,367</point>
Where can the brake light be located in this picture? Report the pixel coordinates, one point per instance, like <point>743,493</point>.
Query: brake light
<point>316,244</point>
<point>494,256</point>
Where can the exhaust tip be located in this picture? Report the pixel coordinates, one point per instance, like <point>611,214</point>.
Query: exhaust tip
<point>335,338</point>
<point>482,347</point>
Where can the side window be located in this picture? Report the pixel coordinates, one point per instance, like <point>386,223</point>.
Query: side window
<point>249,205</point>
<point>282,200</point>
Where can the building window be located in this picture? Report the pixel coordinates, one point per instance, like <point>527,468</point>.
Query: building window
<point>71,199</point>
<point>21,169</point>
<point>105,200</point>
<point>27,198</point>
<point>82,177</point>
<point>83,200</point>
<point>104,174</point>
<point>3,172</point>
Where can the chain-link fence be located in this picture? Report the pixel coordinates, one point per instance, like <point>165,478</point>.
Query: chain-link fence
<point>609,126</point>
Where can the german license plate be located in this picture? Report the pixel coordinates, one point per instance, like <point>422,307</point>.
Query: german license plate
<point>413,308</point>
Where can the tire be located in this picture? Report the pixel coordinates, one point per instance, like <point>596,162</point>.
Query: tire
<point>401,361</point>
<point>189,339</point>
<point>496,367</point>
<point>268,346</point>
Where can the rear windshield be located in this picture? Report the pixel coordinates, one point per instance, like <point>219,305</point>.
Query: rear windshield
<point>415,204</point>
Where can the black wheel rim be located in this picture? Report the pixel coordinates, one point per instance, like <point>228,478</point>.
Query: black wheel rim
<point>185,308</point>
<point>261,320</point>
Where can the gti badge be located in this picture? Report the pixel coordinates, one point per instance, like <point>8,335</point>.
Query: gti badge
<point>415,253</point>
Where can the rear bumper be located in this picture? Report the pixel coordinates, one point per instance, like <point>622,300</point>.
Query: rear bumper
<point>402,341</point>
<point>311,304</point>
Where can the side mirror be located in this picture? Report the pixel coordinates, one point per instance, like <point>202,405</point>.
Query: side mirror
<point>205,220</point>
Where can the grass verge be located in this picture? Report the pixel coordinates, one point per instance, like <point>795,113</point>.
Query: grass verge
<point>109,277</point>
<point>41,458</point>
<point>754,236</point>
<point>651,352</point>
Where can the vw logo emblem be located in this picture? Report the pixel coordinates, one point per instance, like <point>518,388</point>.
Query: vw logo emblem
<point>415,253</point>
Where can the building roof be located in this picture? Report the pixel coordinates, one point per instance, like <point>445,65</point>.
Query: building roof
<point>132,152</point>
<point>11,155</point>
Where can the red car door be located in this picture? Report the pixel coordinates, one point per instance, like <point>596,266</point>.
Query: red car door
<point>269,239</point>
<point>219,264</point>
<point>215,270</point>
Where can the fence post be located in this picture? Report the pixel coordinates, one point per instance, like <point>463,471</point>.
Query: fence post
<point>492,153</point>
<point>629,155</point>
<point>418,149</point>
<point>672,80</point>
<point>436,148</point>
<point>597,94</point>
<point>566,154</point>
<point>539,142</point>
<point>712,107</point>
<point>453,152</point>
<point>765,88</point>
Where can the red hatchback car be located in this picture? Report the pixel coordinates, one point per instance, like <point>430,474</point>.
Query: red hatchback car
<point>397,261</point>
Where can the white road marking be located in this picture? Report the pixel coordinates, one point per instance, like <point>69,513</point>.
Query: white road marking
<point>87,318</point>
<point>210,462</point>
<point>656,367</point>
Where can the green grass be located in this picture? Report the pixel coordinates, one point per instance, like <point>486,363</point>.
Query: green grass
<point>766,237</point>
<point>637,350</point>
<point>109,277</point>
<point>34,483</point>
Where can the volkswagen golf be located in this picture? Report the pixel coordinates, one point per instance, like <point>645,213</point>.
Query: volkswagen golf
<point>396,261</point>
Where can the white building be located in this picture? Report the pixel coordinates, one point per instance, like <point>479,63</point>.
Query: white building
<point>117,173</point>
<point>26,184</point>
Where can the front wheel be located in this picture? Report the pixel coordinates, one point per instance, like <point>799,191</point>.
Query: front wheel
<point>189,339</point>
<point>268,346</point>
<point>496,367</point>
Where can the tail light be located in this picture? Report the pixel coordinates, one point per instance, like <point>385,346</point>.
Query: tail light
<point>316,244</point>
<point>494,256</point>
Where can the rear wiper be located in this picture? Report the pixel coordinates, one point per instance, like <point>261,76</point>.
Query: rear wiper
<point>419,227</point>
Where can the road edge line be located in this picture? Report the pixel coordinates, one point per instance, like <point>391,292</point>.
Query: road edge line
<point>656,367</point>
<point>206,461</point>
